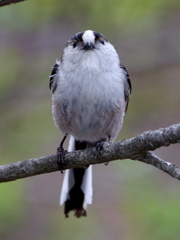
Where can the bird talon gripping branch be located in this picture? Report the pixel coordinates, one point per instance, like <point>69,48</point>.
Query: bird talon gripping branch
<point>61,154</point>
<point>60,157</point>
<point>99,147</point>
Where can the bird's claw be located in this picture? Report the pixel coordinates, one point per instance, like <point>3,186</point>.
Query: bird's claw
<point>99,147</point>
<point>60,157</point>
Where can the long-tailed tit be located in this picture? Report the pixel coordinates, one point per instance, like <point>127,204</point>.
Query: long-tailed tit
<point>90,94</point>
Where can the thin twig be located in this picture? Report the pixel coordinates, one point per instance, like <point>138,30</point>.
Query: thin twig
<point>152,159</point>
<point>7,2</point>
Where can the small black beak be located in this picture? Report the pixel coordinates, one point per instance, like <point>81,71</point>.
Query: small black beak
<point>89,46</point>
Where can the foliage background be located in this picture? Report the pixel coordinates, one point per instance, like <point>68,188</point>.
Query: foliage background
<point>131,200</point>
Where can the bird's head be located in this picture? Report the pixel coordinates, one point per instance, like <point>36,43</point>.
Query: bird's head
<point>87,40</point>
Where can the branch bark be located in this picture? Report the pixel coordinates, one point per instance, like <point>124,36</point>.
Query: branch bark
<point>7,2</point>
<point>136,148</point>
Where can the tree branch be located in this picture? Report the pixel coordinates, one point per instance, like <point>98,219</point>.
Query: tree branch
<point>135,148</point>
<point>7,2</point>
<point>152,159</point>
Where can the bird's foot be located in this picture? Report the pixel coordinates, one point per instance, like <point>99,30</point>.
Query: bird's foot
<point>61,154</point>
<point>60,157</point>
<point>99,146</point>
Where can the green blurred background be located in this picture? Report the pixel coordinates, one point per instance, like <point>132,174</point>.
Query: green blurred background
<point>132,201</point>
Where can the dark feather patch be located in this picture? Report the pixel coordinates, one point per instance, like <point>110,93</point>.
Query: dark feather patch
<point>127,86</point>
<point>53,85</point>
<point>127,77</point>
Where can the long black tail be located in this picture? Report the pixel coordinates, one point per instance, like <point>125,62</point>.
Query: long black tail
<point>75,202</point>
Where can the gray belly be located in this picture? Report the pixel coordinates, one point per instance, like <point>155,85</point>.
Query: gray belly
<point>89,120</point>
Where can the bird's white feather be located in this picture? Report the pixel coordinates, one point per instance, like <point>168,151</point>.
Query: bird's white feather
<point>68,180</point>
<point>88,36</point>
<point>87,187</point>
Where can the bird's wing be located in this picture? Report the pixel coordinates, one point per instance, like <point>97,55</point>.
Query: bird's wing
<point>127,85</point>
<point>53,78</point>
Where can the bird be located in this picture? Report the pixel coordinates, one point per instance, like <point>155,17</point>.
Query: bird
<point>90,94</point>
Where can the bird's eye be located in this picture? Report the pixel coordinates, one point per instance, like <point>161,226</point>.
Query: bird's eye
<point>75,43</point>
<point>101,40</point>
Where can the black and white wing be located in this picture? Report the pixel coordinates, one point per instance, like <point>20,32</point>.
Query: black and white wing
<point>53,77</point>
<point>127,85</point>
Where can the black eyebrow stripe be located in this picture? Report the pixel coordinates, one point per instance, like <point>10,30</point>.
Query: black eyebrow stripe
<point>78,36</point>
<point>98,35</point>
